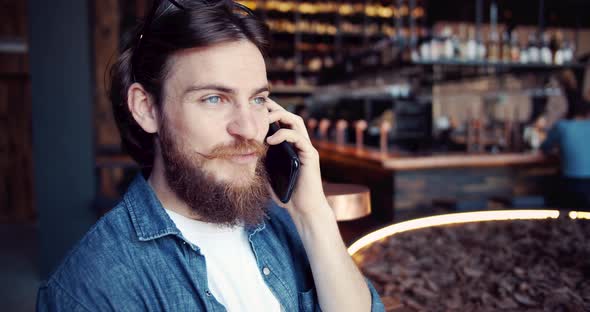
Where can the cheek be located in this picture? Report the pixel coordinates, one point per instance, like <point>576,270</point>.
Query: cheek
<point>201,134</point>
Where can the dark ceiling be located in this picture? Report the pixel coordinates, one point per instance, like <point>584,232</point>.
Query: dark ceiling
<point>561,13</point>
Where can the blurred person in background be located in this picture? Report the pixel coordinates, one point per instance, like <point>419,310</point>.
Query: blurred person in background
<point>570,137</point>
<point>198,229</point>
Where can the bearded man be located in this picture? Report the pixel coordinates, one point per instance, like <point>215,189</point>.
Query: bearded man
<point>199,229</point>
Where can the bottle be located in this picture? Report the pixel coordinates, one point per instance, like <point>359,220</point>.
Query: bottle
<point>507,127</point>
<point>546,55</point>
<point>471,47</point>
<point>475,139</point>
<point>524,53</point>
<point>514,48</point>
<point>456,42</point>
<point>448,50</point>
<point>568,51</point>
<point>436,46</point>
<point>425,47</point>
<point>461,43</point>
<point>481,51</point>
<point>494,47</point>
<point>471,130</point>
<point>557,47</point>
<point>506,47</point>
<point>533,50</point>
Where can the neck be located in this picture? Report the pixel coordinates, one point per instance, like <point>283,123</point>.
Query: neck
<point>167,197</point>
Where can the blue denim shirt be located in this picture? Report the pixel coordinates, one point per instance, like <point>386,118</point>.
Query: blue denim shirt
<point>135,259</point>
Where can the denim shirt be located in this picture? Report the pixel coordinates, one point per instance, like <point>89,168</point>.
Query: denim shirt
<point>135,259</point>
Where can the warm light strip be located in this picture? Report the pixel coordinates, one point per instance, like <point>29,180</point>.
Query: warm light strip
<point>453,218</point>
<point>370,10</point>
<point>579,215</point>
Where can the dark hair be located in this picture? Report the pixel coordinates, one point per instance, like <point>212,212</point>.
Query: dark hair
<point>199,23</point>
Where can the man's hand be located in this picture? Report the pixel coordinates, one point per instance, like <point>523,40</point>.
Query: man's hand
<point>308,196</point>
<point>339,284</point>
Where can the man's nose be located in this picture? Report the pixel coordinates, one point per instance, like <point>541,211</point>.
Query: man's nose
<point>243,123</point>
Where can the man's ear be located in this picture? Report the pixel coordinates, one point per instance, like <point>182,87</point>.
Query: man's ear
<point>142,107</point>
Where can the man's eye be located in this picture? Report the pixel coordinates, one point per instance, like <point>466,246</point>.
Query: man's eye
<point>215,99</point>
<point>259,100</point>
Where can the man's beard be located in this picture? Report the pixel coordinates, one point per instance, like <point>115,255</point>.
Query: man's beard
<point>223,203</point>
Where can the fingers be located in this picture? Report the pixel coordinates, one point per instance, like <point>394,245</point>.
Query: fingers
<point>286,118</point>
<point>292,136</point>
<point>274,106</point>
<point>289,120</point>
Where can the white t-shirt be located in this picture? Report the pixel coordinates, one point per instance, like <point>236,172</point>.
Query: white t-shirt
<point>232,273</point>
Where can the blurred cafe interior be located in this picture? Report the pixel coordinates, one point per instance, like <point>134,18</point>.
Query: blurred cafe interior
<point>437,125</point>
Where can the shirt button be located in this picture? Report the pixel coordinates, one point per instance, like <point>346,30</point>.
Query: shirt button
<point>208,293</point>
<point>266,271</point>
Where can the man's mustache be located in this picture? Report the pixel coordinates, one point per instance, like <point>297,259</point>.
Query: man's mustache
<point>240,147</point>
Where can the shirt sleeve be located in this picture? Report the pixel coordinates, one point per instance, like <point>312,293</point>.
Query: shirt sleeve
<point>52,297</point>
<point>552,140</point>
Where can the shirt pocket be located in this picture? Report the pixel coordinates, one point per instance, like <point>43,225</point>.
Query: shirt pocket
<point>308,301</point>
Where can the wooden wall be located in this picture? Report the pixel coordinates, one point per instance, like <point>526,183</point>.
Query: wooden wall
<point>16,185</point>
<point>112,18</point>
<point>13,18</point>
<point>106,40</point>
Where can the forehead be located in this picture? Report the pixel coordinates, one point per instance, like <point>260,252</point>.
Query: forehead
<point>238,65</point>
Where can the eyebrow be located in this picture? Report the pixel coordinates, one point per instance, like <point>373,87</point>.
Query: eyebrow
<point>220,88</point>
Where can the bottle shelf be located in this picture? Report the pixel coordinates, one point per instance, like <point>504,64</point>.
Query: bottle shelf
<point>343,9</point>
<point>336,28</point>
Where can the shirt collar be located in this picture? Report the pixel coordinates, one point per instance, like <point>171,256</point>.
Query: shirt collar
<point>148,216</point>
<point>147,213</point>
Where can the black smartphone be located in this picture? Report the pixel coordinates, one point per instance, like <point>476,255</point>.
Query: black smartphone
<point>282,165</point>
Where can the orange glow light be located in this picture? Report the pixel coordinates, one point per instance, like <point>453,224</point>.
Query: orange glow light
<point>456,218</point>
<point>579,215</point>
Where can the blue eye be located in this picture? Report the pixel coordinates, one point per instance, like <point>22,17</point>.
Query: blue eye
<point>215,99</point>
<point>259,100</point>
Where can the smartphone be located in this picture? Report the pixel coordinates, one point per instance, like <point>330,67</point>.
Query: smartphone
<point>282,165</point>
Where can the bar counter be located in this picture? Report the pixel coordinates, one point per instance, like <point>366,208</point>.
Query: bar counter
<point>400,181</point>
<point>399,162</point>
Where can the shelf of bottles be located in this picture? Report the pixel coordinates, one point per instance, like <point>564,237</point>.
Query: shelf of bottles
<point>453,51</point>
<point>462,50</point>
<point>311,35</point>
<point>458,45</point>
